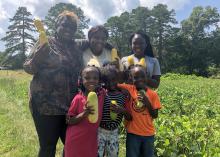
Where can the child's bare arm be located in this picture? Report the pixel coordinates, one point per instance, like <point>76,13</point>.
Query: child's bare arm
<point>127,115</point>
<point>74,120</point>
<point>154,82</point>
<point>146,102</point>
<point>119,109</point>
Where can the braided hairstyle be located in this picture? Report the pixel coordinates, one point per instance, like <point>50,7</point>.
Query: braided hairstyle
<point>148,50</point>
<point>80,78</point>
<point>128,72</point>
<point>107,70</point>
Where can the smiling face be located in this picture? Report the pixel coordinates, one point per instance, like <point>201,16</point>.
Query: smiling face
<point>139,77</point>
<point>90,78</point>
<point>97,42</point>
<point>66,28</point>
<point>138,45</point>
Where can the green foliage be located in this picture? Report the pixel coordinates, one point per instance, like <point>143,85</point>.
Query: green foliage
<point>188,123</point>
<point>54,11</point>
<point>157,23</point>
<point>189,49</point>
<point>17,132</point>
<point>198,42</point>
<point>19,38</point>
<point>162,26</point>
<point>120,28</point>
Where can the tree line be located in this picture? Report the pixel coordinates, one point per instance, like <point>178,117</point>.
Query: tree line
<point>191,47</point>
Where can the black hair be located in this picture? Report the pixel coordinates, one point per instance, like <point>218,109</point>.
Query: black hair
<point>80,81</point>
<point>129,71</point>
<point>69,14</point>
<point>108,70</point>
<point>95,29</point>
<point>148,50</point>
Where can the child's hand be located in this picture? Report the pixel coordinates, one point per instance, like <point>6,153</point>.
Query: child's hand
<point>117,108</point>
<point>142,97</point>
<point>87,110</point>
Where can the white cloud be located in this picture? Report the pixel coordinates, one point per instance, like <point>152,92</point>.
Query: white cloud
<point>97,10</point>
<point>1,30</point>
<point>3,13</point>
<point>172,4</point>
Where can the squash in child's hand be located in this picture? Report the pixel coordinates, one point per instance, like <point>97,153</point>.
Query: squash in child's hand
<point>113,115</point>
<point>93,101</point>
<point>140,104</point>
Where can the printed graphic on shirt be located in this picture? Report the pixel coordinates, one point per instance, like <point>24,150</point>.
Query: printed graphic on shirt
<point>136,108</point>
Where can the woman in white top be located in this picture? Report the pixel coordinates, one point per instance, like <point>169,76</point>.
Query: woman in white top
<point>98,50</point>
<point>141,48</point>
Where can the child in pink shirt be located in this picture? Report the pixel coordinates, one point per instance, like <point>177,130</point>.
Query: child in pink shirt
<point>81,135</point>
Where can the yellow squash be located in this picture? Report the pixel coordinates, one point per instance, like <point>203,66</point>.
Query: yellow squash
<point>93,62</point>
<point>130,60</point>
<point>42,34</point>
<point>93,101</point>
<point>142,62</point>
<point>43,38</point>
<point>139,104</point>
<point>114,55</point>
<point>39,25</point>
<point>113,115</point>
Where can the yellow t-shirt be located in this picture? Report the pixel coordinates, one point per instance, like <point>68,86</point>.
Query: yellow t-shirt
<point>141,123</point>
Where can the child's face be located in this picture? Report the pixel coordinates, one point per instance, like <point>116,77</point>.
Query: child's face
<point>90,78</point>
<point>111,81</point>
<point>139,77</point>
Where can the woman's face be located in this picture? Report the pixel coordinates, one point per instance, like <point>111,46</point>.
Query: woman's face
<point>138,45</point>
<point>66,28</point>
<point>97,42</point>
<point>90,79</point>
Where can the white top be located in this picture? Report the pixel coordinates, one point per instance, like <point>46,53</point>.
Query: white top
<point>103,57</point>
<point>153,66</point>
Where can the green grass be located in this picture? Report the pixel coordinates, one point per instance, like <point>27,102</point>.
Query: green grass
<point>17,131</point>
<point>188,124</point>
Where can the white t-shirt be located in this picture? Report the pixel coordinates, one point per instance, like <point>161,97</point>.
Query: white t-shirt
<point>103,57</point>
<point>153,66</point>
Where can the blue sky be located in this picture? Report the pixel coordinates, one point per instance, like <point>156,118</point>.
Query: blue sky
<point>185,12</point>
<point>97,10</point>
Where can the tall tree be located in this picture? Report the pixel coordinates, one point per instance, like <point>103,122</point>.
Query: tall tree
<point>196,31</point>
<point>162,25</point>
<point>142,20</point>
<point>120,29</point>
<point>54,11</point>
<point>19,37</point>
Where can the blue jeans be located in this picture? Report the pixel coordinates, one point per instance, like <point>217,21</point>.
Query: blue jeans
<point>139,146</point>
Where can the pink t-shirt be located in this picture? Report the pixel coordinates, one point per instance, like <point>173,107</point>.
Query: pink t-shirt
<point>81,139</point>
